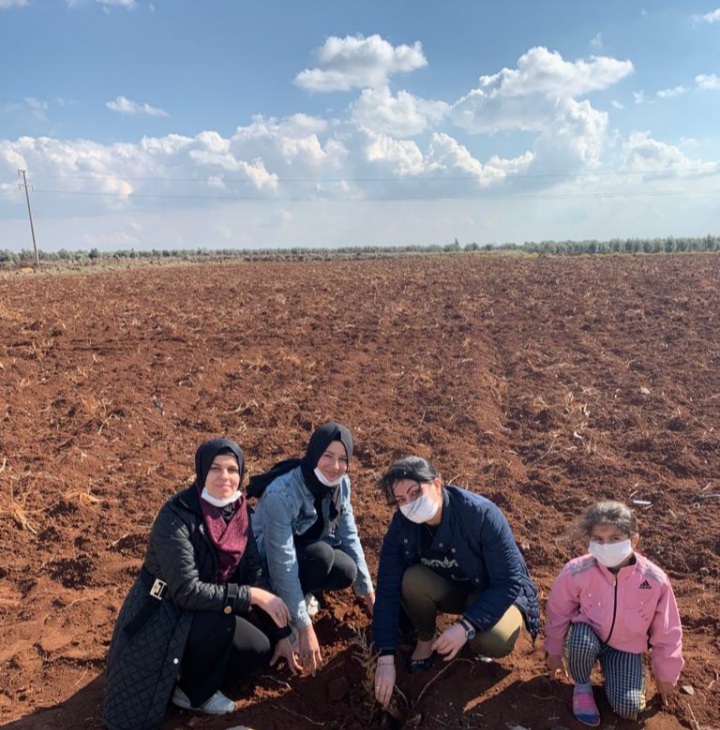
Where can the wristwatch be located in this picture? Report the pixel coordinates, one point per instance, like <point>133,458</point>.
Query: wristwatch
<point>469,629</point>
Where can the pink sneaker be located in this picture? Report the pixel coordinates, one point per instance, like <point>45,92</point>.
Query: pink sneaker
<point>584,707</point>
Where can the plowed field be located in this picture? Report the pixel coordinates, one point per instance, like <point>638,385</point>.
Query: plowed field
<point>545,384</point>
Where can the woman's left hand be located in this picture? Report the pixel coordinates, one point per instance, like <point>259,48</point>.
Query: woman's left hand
<point>369,603</point>
<point>284,650</point>
<point>384,679</point>
<point>272,605</point>
<point>450,641</point>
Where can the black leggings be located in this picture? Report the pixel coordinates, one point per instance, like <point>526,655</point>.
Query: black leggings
<point>324,568</point>
<point>219,643</point>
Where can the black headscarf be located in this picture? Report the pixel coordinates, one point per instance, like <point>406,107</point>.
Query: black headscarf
<point>319,441</point>
<point>322,437</point>
<point>229,537</point>
<point>207,452</point>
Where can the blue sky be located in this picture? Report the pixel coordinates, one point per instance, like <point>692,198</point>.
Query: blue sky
<point>222,123</point>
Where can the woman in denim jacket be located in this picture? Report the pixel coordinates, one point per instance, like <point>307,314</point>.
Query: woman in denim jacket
<point>305,529</point>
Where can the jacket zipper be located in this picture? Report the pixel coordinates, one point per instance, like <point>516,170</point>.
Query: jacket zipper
<point>612,625</point>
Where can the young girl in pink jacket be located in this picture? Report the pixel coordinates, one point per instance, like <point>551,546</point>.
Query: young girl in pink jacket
<point>609,605</point>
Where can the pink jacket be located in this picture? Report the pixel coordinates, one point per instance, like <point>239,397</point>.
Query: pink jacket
<point>628,611</point>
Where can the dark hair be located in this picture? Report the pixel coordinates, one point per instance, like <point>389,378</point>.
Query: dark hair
<point>609,513</point>
<point>409,467</point>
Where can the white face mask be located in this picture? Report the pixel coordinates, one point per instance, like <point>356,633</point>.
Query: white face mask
<point>610,554</point>
<point>324,480</point>
<point>421,509</point>
<point>220,502</point>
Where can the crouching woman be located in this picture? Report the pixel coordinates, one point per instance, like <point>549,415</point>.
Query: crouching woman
<point>305,528</point>
<point>187,620</point>
<point>448,551</point>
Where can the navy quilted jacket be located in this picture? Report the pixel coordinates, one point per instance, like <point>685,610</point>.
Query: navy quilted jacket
<point>145,655</point>
<point>476,531</point>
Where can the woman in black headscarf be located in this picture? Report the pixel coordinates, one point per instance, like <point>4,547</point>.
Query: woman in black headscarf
<point>187,619</point>
<point>305,528</point>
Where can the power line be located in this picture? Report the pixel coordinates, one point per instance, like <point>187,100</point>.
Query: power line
<point>479,194</point>
<point>287,180</point>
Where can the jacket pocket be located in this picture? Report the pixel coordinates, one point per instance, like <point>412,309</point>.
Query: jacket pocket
<point>638,617</point>
<point>594,610</point>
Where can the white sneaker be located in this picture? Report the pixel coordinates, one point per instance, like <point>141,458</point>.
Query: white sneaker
<point>218,704</point>
<point>311,604</point>
<point>180,699</point>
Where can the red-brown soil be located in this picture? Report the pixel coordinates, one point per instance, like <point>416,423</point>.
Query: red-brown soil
<point>544,383</point>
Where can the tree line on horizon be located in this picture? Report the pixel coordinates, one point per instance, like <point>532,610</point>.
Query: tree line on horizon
<point>670,244</point>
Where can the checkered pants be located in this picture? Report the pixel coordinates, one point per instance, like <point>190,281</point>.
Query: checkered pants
<point>624,672</point>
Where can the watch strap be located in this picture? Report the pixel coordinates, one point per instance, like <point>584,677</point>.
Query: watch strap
<point>469,628</point>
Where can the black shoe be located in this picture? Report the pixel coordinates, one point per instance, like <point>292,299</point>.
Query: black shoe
<point>415,666</point>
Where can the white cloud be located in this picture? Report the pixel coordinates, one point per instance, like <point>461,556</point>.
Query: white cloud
<point>448,167</point>
<point>355,61</point>
<point>39,108</point>
<point>4,4</point>
<point>617,105</point>
<point>673,92</point>
<point>573,141</point>
<point>12,157</point>
<point>539,96</point>
<point>711,17</point>
<point>291,145</point>
<point>597,42</point>
<point>702,82</point>
<point>106,4</point>
<point>448,155</point>
<point>122,105</point>
<point>707,82</point>
<point>526,98</point>
<point>250,163</point>
<point>540,71</point>
<point>403,115</point>
<point>215,181</point>
<point>129,4</point>
<point>403,157</point>
<point>642,153</point>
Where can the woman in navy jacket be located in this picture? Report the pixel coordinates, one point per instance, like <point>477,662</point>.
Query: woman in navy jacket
<point>447,550</point>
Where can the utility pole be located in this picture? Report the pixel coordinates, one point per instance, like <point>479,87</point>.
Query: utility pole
<point>32,227</point>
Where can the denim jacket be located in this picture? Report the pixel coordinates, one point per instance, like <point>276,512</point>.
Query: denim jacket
<point>287,510</point>
<point>477,533</point>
